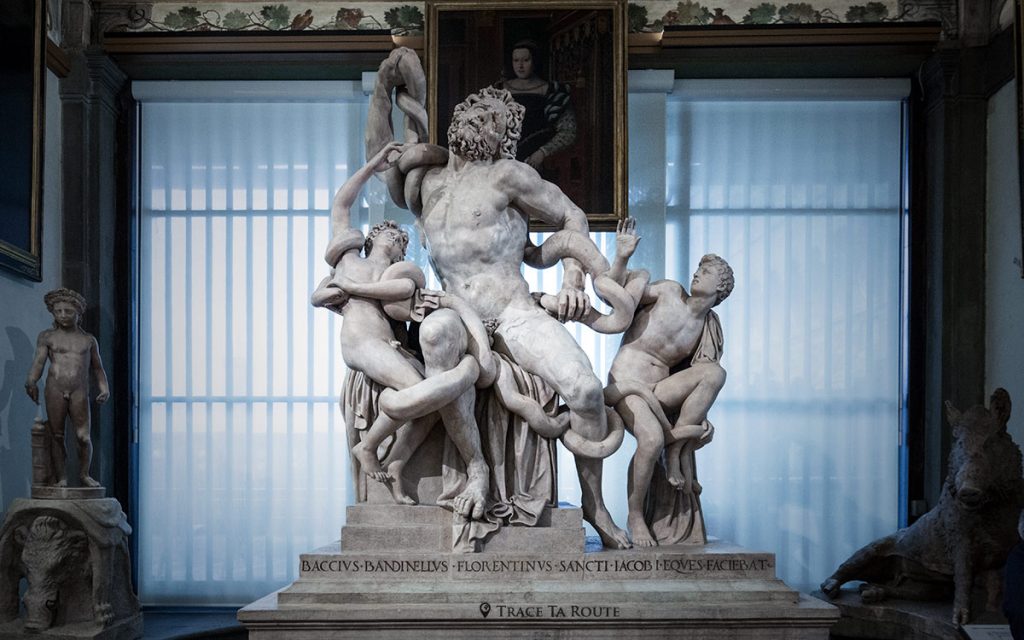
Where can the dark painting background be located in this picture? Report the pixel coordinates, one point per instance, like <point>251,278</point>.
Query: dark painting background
<point>475,51</point>
<point>19,244</point>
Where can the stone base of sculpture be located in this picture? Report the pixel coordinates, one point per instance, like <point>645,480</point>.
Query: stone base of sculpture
<point>73,558</point>
<point>900,619</point>
<point>128,629</point>
<point>49,492</point>
<point>394,575</point>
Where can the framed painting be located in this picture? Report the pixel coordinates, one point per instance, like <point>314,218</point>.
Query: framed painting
<point>565,62</point>
<point>1018,41</point>
<point>22,77</point>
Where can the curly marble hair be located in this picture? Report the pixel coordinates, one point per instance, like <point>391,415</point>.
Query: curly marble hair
<point>63,294</point>
<point>378,229</point>
<point>725,276</point>
<point>499,99</point>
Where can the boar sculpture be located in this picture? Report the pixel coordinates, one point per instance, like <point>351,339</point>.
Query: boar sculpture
<point>969,532</point>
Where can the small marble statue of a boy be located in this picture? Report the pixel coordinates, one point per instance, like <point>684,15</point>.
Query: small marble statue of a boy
<point>73,354</point>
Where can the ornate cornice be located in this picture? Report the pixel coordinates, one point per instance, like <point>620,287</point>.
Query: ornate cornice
<point>408,17</point>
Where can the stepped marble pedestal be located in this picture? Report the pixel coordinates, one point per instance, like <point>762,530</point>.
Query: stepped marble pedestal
<point>394,575</point>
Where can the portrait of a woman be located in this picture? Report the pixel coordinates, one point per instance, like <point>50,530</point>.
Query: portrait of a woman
<point>564,65</point>
<point>550,124</point>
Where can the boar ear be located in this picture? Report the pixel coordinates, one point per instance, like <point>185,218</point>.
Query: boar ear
<point>21,534</point>
<point>952,414</point>
<point>999,406</point>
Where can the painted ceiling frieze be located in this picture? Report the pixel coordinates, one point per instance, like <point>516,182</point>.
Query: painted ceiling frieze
<point>277,16</point>
<point>408,18</point>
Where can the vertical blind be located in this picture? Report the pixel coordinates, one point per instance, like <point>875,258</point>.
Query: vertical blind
<point>804,199</point>
<point>242,456</point>
<point>242,450</point>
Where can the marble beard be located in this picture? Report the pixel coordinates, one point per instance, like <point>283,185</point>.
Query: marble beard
<point>492,359</point>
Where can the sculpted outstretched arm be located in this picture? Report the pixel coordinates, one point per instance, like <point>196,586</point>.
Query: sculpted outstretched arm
<point>342,206</point>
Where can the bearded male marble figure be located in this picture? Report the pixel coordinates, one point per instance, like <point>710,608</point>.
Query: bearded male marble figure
<point>474,216</point>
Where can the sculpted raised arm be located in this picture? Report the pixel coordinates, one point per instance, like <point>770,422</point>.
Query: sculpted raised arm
<point>626,241</point>
<point>342,206</point>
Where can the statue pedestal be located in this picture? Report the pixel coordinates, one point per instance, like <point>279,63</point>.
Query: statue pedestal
<point>49,492</point>
<point>902,619</point>
<point>392,575</point>
<point>73,554</point>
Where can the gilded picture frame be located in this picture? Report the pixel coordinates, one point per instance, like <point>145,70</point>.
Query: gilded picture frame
<point>575,79</point>
<point>22,73</point>
<point>1018,43</point>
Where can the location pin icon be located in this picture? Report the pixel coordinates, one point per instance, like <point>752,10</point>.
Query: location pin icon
<point>485,608</point>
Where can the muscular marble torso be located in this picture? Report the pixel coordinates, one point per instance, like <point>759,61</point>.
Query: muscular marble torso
<point>476,238</point>
<point>662,335</point>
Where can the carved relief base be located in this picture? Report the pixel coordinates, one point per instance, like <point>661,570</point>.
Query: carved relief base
<point>73,558</point>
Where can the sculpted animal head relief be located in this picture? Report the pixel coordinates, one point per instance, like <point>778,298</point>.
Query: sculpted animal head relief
<point>52,553</point>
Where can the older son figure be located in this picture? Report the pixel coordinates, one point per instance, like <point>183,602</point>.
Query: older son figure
<point>673,346</point>
<point>73,354</point>
<point>364,288</point>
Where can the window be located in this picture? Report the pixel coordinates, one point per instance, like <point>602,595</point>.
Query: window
<point>242,453</point>
<point>799,186</point>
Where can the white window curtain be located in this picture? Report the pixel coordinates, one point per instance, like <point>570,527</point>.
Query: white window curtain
<point>798,185</point>
<point>242,454</point>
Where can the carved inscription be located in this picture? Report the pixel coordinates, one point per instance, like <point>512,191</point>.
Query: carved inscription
<point>712,565</point>
<point>581,566</point>
<point>373,566</point>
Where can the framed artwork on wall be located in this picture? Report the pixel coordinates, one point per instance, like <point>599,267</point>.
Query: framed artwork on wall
<point>565,63</point>
<point>22,78</point>
<point>1018,42</point>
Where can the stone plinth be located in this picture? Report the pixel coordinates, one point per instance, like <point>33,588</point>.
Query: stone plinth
<point>50,492</point>
<point>73,555</point>
<point>901,619</point>
<point>532,582</point>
